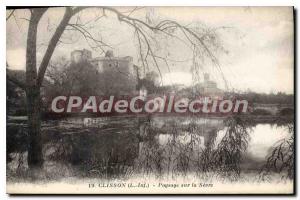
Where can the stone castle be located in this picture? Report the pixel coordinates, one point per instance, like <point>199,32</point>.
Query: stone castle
<point>111,65</point>
<point>108,63</point>
<point>120,74</point>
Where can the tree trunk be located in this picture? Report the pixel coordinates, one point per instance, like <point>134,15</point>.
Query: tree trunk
<point>34,80</point>
<point>35,156</point>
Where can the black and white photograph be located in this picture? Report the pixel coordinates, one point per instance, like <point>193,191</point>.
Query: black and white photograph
<point>150,100</point>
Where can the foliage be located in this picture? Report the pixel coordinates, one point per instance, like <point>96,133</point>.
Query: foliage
<point>280,160</point>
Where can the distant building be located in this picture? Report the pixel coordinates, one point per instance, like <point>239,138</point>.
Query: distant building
<point>108,63</point>
<point>209,88</point>
<point>117,70</point>
<point>115,64</point>
<point>143,92</point>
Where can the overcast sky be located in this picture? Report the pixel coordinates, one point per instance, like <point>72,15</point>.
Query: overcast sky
<point>258,44</point>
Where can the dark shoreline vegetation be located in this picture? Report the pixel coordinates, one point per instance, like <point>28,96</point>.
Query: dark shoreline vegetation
<point>120,149</point>
<point>161,145</point>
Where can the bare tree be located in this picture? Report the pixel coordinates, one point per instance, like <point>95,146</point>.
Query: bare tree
<point>203,40</point>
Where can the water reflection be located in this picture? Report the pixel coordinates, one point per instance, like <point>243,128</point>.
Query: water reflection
<point>160,146</point>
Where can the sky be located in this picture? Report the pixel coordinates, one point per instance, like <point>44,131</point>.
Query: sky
<point>257,43</point>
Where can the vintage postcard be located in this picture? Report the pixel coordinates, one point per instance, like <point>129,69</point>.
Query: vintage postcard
<point>150,100</point>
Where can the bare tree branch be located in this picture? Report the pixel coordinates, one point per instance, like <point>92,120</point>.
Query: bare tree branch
<point>10,14</point>
<point>141,34</point>
<point>53,42</point>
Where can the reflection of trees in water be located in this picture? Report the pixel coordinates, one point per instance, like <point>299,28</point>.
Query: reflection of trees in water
<point>175,149</point>
<point>150,159</point>
<point>229,152</point>
<point>280,160</point>
<point>107,156</point>
<point>184,154</point>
